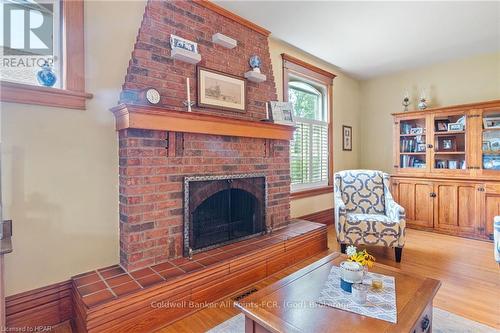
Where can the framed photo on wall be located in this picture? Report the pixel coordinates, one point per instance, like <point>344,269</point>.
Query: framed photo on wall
<point>347,138</point>
<point>221,91</point>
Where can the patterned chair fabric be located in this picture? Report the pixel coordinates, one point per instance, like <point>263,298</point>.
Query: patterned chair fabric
<point>496,237</point>
<point>365,212</point>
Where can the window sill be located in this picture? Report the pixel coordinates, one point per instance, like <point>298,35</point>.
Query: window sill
<point>27,94</point>
<point>311,192</point>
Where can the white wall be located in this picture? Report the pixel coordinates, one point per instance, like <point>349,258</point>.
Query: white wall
<point>60,166</point>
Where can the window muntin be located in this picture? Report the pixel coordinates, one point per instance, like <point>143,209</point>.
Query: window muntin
<point>309,148</point>
<point>30,35</point>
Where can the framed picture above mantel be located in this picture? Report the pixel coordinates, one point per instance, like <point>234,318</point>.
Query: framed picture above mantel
<point>220,90</point>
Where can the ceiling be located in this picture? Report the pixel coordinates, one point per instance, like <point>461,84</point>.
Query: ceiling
<point>368,39</point>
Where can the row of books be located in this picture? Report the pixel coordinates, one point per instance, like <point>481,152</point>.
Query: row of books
<point>411,162</point>
<point>409,146</point>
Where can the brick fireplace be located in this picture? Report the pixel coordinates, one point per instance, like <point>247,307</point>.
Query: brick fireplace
<point>151,185</point>
<point>156,159</point>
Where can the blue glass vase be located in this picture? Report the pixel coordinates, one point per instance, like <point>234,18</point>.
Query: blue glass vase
<point>46,76</point>
<point>255,62</point>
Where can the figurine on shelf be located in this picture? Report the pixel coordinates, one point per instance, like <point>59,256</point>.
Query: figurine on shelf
<point>422,104</point>
<point>255,63</point>
<point>406,101</point>
<point>46,76</point>
<point>255,75</point>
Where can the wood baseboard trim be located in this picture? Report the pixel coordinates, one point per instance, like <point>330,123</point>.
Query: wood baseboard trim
<point>46,306</point>
<point>325,216</point>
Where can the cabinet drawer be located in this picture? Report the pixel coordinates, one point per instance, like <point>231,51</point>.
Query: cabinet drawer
<point>492,188</point>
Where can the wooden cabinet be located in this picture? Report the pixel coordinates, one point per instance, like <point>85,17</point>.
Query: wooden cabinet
<point>492,210</point>
<point>447,206</point>
<point>447,168</point>
<point>416,197</point>
<point>491,207</point>
<point>455,208</point>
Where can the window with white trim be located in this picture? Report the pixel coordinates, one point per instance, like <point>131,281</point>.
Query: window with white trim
<point>309,148</point>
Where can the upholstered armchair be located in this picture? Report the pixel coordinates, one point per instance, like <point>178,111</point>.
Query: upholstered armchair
<point>496,237</point>
<point>366,213</point>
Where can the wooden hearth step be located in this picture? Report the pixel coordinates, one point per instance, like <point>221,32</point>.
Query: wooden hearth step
<point>111,299</point>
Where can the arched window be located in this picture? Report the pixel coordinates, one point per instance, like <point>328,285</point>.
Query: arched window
<point>310,147</point>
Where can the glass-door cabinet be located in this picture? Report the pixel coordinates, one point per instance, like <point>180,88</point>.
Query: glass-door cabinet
<point>459,142</point>
<point>449,142</point>
<point>490,147</point>
<point>411,153</point>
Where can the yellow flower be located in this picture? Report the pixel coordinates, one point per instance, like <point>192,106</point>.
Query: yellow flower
<point>363,258</point>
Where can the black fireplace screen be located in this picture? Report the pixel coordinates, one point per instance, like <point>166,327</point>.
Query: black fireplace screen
<point>222,210</point>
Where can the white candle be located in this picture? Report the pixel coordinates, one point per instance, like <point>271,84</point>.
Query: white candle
<point>188,95</point>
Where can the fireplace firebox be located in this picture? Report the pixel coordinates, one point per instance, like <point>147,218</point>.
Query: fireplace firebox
<point>219,210</point>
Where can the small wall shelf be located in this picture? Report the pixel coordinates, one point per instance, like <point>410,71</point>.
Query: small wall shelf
<point>255,76</point>
<point>186,56</point>
<point>224,41</point>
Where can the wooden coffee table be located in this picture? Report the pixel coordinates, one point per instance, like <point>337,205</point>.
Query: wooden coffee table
<point>289,305</point>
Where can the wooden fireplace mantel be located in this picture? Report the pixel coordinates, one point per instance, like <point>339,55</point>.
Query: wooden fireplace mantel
<point>155,118</point>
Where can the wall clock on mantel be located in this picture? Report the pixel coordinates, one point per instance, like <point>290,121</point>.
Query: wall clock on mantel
<point>151,95</point>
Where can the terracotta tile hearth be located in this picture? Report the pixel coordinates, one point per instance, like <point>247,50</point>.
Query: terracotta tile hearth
<point>108,283</point>
<point>106,297</point>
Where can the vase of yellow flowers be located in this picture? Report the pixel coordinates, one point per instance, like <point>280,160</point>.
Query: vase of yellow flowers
<point>361,257</point>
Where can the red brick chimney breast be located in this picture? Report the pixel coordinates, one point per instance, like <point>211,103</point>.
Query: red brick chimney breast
<point>152,168</point>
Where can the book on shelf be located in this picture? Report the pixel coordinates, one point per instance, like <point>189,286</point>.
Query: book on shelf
<point>410,146</point>
<point>412,162</point>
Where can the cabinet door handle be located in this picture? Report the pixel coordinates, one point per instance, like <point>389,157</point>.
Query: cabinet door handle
<point>433,195</point>
<point>430,146</point>
<point>481,189</point>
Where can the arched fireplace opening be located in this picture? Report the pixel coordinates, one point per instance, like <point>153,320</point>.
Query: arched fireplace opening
<point>227,215</point>
<point>222,210</point>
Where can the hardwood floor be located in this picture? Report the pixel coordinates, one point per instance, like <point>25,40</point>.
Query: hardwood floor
<point>470,278</point>
<point>469,274</point>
